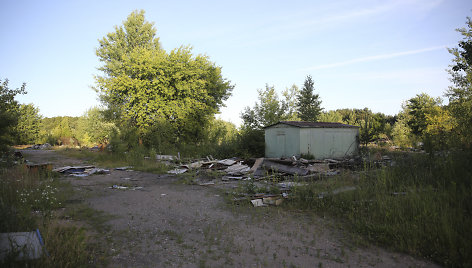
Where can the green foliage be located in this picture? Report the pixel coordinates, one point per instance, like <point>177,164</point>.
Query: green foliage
<point>308,103</point>
<point>439,133</point>
<point>96,127</point>
<point>21,193</point>
<point>251,142</point>
<point>29,120</point>
<point>417,109</point>
<point>401,134</point>
<point>460,93</point>
<point>267,111</point>
<point>331,116</point>
<point>420,206</point>
<point>143,85</point>
<point>8,113</point>
<point>372,126</point>
<point>289,104</point>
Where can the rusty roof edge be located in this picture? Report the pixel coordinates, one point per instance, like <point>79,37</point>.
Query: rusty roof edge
<point>305,124</point>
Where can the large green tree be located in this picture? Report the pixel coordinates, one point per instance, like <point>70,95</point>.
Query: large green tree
<point>143,86</point>
<point>309,103</point>
<point>268,110</point>
<point>29,120</point>
<point>8,113</point>
<point>418,108</point>
<point>460,93</point>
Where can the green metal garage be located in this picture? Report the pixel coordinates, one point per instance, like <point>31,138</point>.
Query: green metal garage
<point>318,139</point>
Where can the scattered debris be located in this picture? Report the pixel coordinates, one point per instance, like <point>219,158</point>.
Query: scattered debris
<point>258,203</point>
<point>45,146</point>
<point>206,183</point>
<point>237,169</point>
<point>22,245</point>
<point>257,164</point>
<point>289,184</point>
<point>165,157</point>
<point>124,168</point>
<point>45,167</point>
<point>272,200</point>
<point>227,178</point>
<point>270,165</point>
<point>120,187</point>
<point>227,162</point>
<point>318,167</point>
<point>177,171</point>
<point>81,171</point>
<point>197,164</point>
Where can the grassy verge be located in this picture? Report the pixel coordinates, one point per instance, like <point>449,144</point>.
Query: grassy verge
<point>421,205</point>
<point>30,201</point>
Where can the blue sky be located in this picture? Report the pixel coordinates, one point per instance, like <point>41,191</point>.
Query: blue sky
<point>373,54</point>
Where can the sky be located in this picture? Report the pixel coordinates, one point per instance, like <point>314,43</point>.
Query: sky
<point>374,54</point>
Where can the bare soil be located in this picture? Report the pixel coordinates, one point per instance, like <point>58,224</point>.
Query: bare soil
<point>169,224</point>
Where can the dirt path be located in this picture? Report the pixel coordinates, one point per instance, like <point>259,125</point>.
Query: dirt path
<point>166,224</point>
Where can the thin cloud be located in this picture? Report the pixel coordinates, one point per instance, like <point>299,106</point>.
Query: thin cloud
<point>374,58</point>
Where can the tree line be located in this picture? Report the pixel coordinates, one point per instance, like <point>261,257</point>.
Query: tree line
<point>166,100</point>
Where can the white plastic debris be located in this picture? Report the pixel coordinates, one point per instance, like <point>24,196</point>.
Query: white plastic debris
<point>257,203</point>
<point>177,171</point>
<point>25,245</point>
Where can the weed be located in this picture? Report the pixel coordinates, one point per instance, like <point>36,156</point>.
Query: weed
<point>421,205</point>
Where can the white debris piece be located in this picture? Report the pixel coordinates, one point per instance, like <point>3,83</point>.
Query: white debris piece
<point>26,245</point>
<point>164,157</point>
<point>257,203</point>
<point>227,162</point>
<point>177,171</point>
<point>237,169</point>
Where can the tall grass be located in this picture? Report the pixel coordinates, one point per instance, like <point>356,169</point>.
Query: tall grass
<point>422,205</point>
<point>28,201</point>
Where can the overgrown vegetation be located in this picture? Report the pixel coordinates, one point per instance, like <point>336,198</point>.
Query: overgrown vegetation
<point>29,200</point>
<point>420,205</point>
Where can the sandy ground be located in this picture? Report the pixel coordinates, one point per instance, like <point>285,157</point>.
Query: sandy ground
<point>167,224</point>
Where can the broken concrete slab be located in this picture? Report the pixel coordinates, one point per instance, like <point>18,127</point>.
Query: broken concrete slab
<point>21,245</point>
<point>72,169</point>
<point>277,167</point>
<point>237,169</point>
<point>81,171</point>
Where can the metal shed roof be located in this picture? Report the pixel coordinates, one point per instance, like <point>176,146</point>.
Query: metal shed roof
<point>303,124</point>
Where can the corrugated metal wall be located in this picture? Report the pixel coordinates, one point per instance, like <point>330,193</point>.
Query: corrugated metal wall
<point>283,141</point>
<point>328,142</point>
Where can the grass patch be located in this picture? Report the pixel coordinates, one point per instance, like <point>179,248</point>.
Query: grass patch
<point>421,205</point>
<point>29,201</point>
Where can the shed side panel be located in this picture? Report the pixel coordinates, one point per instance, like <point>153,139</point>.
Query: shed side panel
<point>332,142</point>
<point>282,141</point>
